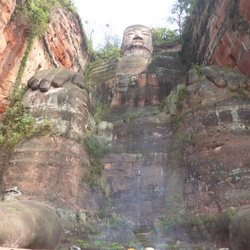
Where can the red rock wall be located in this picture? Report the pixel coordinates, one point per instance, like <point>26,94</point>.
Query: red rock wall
<point>11,49</point>
<point>218,34</point>
<point>62,46</point>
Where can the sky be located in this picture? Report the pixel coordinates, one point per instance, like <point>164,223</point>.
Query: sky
<point>121,14</point>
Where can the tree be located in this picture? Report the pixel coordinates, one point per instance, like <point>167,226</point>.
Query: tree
<point>180,11</point>
<point>89,29</point>
<point>109,37</point>
<point>163,35</point>
<point>111,46</point>
<point>107,52</point>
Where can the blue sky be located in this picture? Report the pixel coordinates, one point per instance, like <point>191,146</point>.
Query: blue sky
<point>121,14</point>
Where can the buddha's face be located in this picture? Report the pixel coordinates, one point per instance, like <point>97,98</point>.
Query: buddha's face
<point>137,39</point>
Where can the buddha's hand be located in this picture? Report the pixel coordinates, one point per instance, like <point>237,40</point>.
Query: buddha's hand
<point>219,76</point>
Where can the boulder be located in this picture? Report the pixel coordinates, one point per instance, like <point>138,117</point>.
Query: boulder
<point>239,230</point>
<point>28,225</point>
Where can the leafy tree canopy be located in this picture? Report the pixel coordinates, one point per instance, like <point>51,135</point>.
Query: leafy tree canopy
<point>163,35</point>
<point>108,51</point>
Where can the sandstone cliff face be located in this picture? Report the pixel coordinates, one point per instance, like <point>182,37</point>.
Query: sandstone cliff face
<point>64,45</point>
<point>220,36</point>
<point>187,161</point>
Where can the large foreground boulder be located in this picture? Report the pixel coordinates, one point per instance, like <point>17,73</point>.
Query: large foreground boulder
<point>27,225</point>
<point>240,230</point>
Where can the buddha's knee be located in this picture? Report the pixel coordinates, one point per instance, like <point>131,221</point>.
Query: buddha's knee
<point>27,225</point>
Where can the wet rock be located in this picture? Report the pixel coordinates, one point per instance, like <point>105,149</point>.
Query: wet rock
<point>135,168</point>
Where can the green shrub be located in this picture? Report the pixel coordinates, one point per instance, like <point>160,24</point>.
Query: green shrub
<point>119,223</point>
<point>96,148</point>
<point>34,15</point>
<point>68,4</point>
<point>19,124</point>
<point>107,52</point>
<point>92,175</point>
<point>175,122</point>
<point>93,178</point>
<point>185,137</point>
<point>100,244</point>
<point>182,92</point>
<point>24,60</point>
<point>198,68</point>
<point>130,116</point>
<point>102,110</point>
<point>163,35</point>
<point>207,224</point>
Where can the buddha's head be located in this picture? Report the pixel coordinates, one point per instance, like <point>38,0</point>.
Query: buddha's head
<point>137,40</point>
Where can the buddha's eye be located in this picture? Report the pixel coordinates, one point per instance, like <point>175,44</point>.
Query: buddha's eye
<point>145,34</point>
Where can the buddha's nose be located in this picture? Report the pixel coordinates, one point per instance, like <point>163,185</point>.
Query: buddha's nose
<point>138,35</point>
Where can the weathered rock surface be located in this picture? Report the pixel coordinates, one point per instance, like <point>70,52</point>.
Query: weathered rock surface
<point>64,45</point>
<point>7,8</point>
<point>136,169</point>
<point>220,36</point>
<point>27,225</point>
<point>50,170</point>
